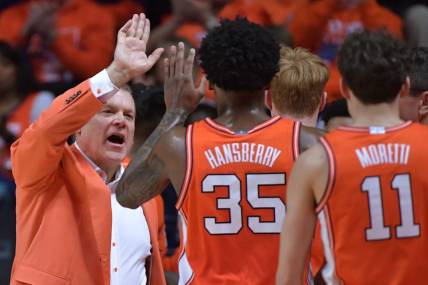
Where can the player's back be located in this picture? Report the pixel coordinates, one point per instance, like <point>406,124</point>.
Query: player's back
<point>232,201</point>
<point>374,215</point>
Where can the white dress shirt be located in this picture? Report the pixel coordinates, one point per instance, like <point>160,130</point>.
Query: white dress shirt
<point>130,237</point>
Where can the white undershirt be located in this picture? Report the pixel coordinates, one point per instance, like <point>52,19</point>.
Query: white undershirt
<point>130,242</point>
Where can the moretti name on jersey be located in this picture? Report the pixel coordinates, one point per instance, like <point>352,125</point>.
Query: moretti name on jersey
<point>242,152</point>
<point>391,153</point>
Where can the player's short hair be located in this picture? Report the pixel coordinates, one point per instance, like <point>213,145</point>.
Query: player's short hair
<point>298,86</point>
<point>373,65</point>
<point>149,106</point>
<point>418,70</point>
<point>239,56</point>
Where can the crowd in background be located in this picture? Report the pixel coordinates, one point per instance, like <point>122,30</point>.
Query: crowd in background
<point>46,47</point>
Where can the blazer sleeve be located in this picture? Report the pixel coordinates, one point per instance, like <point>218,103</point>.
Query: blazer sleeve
<point>36,155</point>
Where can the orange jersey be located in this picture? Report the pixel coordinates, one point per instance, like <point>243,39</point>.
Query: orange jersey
<point>232,201</point>
<point>374,215</point>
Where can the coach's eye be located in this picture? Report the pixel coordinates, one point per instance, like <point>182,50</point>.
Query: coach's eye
<point>129,116</point>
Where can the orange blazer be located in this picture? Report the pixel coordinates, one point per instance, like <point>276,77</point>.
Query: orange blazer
<point>63,206</point>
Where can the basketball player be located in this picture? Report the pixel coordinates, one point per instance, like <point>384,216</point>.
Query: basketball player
<point>230,172</point>
<point>298,87</point>
<point>367,183</point>
<point>418,95</point>
<point>297,92</point>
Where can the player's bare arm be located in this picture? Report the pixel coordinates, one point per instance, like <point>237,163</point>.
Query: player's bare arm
<point>305,190</point>
<point>309,136</point>
<point>162,156</point>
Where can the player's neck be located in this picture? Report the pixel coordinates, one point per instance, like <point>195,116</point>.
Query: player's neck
<point>384,114</point>
<point>241,111</point>
<point>240,103</point>
<point>309,121</point>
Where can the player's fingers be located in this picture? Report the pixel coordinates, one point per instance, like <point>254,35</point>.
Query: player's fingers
<point>172,56</point>
<point>188,65</point>
<point>180,59</point>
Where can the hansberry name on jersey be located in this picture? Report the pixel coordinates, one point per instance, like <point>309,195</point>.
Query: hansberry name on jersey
<point>242,152</point>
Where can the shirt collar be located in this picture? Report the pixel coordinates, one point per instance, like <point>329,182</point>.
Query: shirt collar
<point>112,185</point>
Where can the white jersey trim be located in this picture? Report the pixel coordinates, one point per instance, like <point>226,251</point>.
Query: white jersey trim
<point>329,270</point>
<point>185,271</point>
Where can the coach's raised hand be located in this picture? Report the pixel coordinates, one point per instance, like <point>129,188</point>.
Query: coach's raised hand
<point>130,57</point>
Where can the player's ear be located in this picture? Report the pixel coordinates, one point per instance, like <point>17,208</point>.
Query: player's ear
<point>405,88</point>
<point>424,99</point>
<point>344,89</point>
<point>423,107</point>
<point>268,99</point>
<point>323,101</point>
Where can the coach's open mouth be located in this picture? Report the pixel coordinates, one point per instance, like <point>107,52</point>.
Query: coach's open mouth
<point>118,139</point>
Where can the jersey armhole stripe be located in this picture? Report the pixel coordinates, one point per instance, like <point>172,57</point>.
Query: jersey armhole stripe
<point>331,175</point>
<point>309,278</point>
<point>328,271</point>
<point>296,140</point>
<point>189,166</point>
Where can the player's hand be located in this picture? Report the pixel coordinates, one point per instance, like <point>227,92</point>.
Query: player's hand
<point>181,95</point>
<point>130,58</point>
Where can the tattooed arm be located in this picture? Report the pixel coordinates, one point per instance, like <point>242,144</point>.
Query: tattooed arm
<point>162,157</point>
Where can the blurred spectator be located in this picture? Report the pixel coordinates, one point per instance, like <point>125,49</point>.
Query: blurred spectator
<point>417,100</point>
<point>280,34</point>
<point>122,9</point>
<point>335,114</point>
<point>416,25</point>
<point>400,6</point>
<point>6,3</point>
<point>156,10</point>
<point>68,39</point>
<point>415,17</point>
<point>266,12</point>
<point>322,26</point>
<point>189,19</point>
<point>19,107</point>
